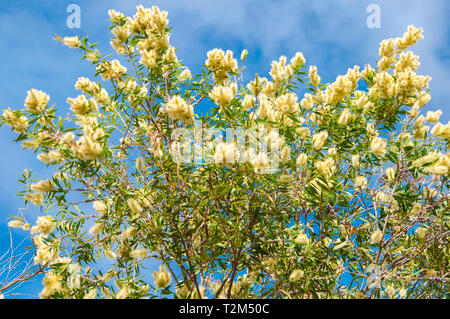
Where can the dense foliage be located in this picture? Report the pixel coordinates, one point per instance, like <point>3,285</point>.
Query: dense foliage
<point>340,194</point>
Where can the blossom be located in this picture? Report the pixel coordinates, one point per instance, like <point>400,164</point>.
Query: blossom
<point>100,206</point>
<point>285,178</point>
<point>260,163</point>
<point>110,254</point>
<point>319,140</point>
<point>91,294</point>
<point>44,225</point>
<point>249,101</point>
<point>138,253</point>
<point>361,181</point>
<point>184,75</point>
<point>314,78</point>
<point>345,117</point>
<point>287,103</point>
<point>52,284</point>
<point>390,174</point>
<point>214,61</point>
<point>37,198</point>
<point>301,238</point>
<point>378,146</point>
<point>36,101</point>
<point>111,70</point>
<point>226,153</point>
<point>179,109</point>
<point>87,148</point>
<point>325,167</point>
<point>409,38</point>
<point>162,277</point>
<point>433,117</point>
<point>421,232</point>
<point>134,206</point>
<point>115,16</point>
<point>18,123</point>
<point>170,55</point>
<point>376,237</point>
<point>140,163</point>
<point>72,42</point>
<point>15,223</point>
<point>296,275</point>
<point>97,228</point>
<point>43,186</point>
<point>302,159</point>
<point>244,55</point>
<point>297,60</point>
<point>280,71</point>
<point>79,105</point>
<point>307,102</point>
<point>222,95</point>
<point>123,293</point>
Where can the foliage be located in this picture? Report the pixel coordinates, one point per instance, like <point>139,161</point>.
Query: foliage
<point>357,207</point>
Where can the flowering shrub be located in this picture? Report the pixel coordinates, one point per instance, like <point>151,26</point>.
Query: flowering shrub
<point>356,205</point>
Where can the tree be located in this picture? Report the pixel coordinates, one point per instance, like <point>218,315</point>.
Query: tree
<point>342,194</point>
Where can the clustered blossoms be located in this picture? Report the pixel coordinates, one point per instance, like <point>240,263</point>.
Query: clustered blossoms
<point>348,180</point>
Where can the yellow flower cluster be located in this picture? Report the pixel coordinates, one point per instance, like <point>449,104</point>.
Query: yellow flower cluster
<point>44,225</point>
<point>222,95</point>
<point>138,253</point>
<point>162,277</point>
<point>43,186</point>
<point>319,140</point>
<point>410,38</point>
<point>36,198</point>
<point>281,72</point>
<point>226,153</point>
<point>287,104</point>
<point>361,181</point>
<point>345,117</point>
<point>134,206</point>
<point>111,70</point>
<point>36,101</point>
<point>17,223</point>
<point>80,105</point>
<point>441,130</point>
<point>88,147</point>
<point>325,167</point>
<point>221,63</point>
<point>260,163</point>
<point>72,42</point>
<point>86,85</point>
<point>441,167</point>
<point>147,20</point>
<point>314,78</point>
<point>343,86</point>
<point>179,109</point>
<point>378,146</point>
<point>51,157</point>
<point>52,283</point>
<point>18,123</point>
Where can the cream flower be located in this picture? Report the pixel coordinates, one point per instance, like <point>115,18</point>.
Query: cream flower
<point>222,95</point>
<point>72,42</point>
<point>36,101</point>
<point>378,146</point>
<point>162,277</point>
<point>319,140</point>
<point>361,181</point>
<point>179,109</point>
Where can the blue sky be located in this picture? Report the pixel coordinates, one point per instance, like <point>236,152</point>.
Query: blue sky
<point>332,35</point>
